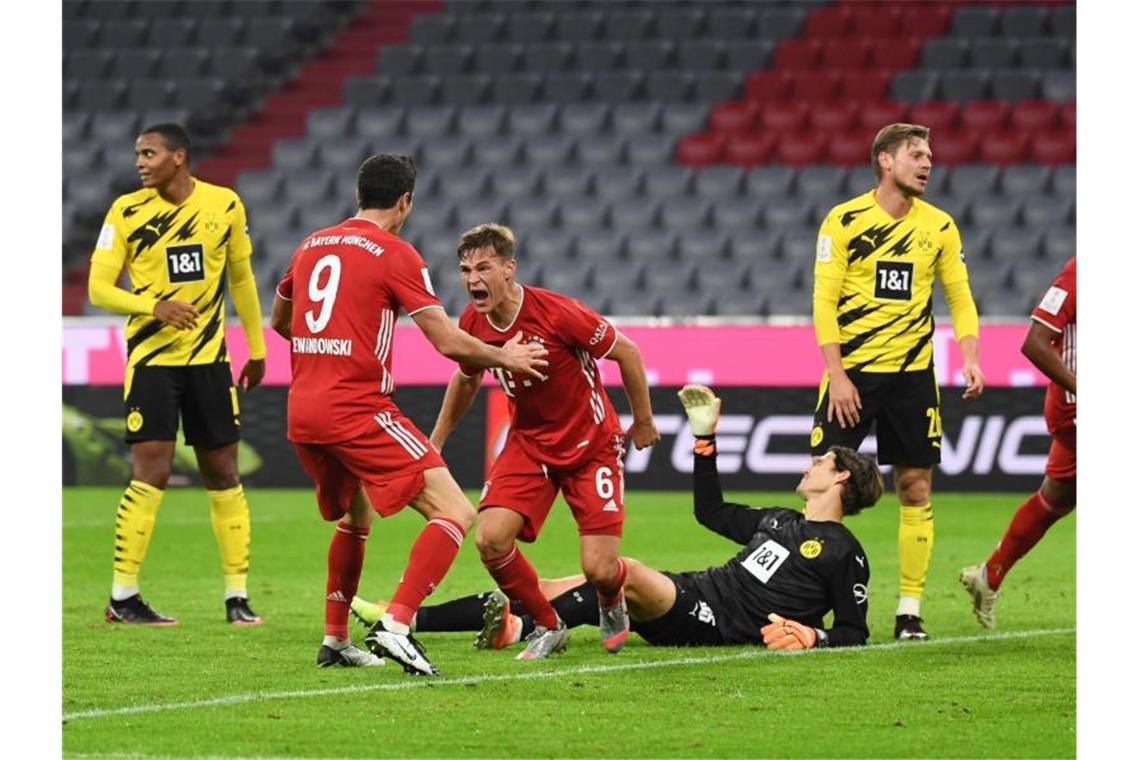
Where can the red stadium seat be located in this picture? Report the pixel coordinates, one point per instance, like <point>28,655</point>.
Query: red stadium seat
<point>936,114</point>
<point>865,85</point>
<point>801,149</point>
<point>898,54</point>
<point>797,54</point>
<point>926,19</point>
<point>1058,146</point>
<point>832,22</point>
<point>833,117</point>
<point>783,117</point>
<point>749,150</point>
<point>879,114</point>
<point>767,85</point>
<point>815,86</point>
<point>953,146</point>
<point>985,115</point>
<point>1002,148</point>
<point>846,54</point>
<point>1034,114</point>
<point>1069,116</point>
<point>733,116</point>
<point>878,23</point>
<point>701,148</point>
<point>849,148</point>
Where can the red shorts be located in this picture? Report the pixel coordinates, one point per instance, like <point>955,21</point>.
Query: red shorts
<point>1062,462</point>
<point>595,490</point>
<point>389,460</point>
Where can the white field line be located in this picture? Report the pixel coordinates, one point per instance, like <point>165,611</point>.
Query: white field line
<point>412,682</point>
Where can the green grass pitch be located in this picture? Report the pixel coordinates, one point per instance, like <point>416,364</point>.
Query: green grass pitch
<point>206,689</point>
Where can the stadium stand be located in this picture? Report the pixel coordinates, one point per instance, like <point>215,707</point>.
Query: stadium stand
<point>696,144</point>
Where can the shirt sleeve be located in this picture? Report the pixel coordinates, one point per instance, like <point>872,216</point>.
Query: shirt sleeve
<point>587,329</point>
<point>847,592</point>
<point>409,281</point>
<point>239,245</point>
<point>952,262</point>
<point>830,269</point>
<point>285,286</point>
<point>111,247</point>
<point>736,522</point>
<point>1058,306</point>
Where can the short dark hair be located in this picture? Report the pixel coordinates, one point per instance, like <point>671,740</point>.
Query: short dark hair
<point>498,236</point>
<point>384,178</point>
<point>891,137</point>
<point>865,485</point>
<point>174,136</point>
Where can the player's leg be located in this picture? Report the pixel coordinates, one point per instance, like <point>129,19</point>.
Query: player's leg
<point>909,437</point>
<point>210,420</point>
<point>595,493</point>
<point>151,408</point>
<point>649,593</point>
<point>340,499</point>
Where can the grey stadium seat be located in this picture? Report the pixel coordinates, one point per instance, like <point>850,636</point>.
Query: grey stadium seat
<point>345,154</point>
<point>139,64</point>
<point>634,214</point>
<point>675,22</point>
<point>635,119</point>
<point>380,123</point>
<point>309,188</point>
<point>567,87</point>
<point>1059,244</point>
<point>668,181</point>
<point>498,59</point>
<point>817,181</point>
<point>914,86</point>
<point>1021,245</point>
<point>1059,86</point>
<point>617,183</point>
<point>221,31</point>
<point>779,23</point>
<point>1015,85</point>
<point>964,85</point>
<point>1045,53</point>
<point>651,149</point>
<point>701,245</point>
<point>1048,211</point>
<point>532,118</point>
<point>637,303</point>
<point>498,151</point>
<point>744,304</point>
<point>577,26</point>
<point>479,211</point>
<point>647,55</point>
<point>599,246</point>
<point>726,23</point>
<point>479,121</point>
<point>566,276</point>
<point>465,184</point>
<point>993,53</point>
<point>669,86</point>
<point>718,182</point>
<point>1024,22</point>
<point>669,280</point>
<point>533,214</point>
<point>700,54</point>
<point>420,90</point>
<point>1065,180</point>
<point>764,182</point>
<point>1064,22</point>
<point>756,245</point>
<point>329,123</point>
<point>448,152</point>
<point>529,26</point>
<point>550,245</point>
<point>567,181</point>
<point>399,60</point>
<point>995,211</point>
<point>598,57</point>
<point>465,89</point>
<point>747,55</point>
<point>544,57</point>
<point>723,276</point>
<point>1025,180</point>
<point>649,246</point>
<point>183,62</point>
<point>677,118</point>
<point>545,150</point>
<point>90,63</point>
<point>712,86</point>
<point>115,127</point>
<point>582,119</point>
<point>684,213</point>
<point>367,92</point>
<point>430,29</point>
<point>524,87</point>
<point>583,213</point>
<point>627,24</point>
<point>974,22</point>
<point>444,60</point>
<point>257,187</point>
<point>144,94</point>
<point>970,180</point>
<point>169,33</point>
<point>601,150</point>
<point>945,53</point>
<point>517,182</point>
<point>618,86</point>
<point>437,215</point>
<point>736,213</point>
<point>787,213</point>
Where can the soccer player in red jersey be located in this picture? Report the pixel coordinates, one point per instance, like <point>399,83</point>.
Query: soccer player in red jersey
<point>352,440</point>
<point>1051,344</point>
<point>564,434</point>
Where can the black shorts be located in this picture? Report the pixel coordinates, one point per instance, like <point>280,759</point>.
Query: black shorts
<point>690,622</point>
<point>203,394</point>
<point>905,408</point>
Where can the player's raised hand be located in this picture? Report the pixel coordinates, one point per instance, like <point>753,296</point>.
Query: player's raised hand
<point>975,380</point>
<point>702,407</point>
<point>251,375</point>
<point>524,357</point>
<point>843,401</point>
<point>643,433</point>
<point>787,634</point>
<point>177,314</point>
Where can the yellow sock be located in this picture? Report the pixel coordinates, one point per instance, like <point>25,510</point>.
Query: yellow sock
<point>229,514</point>
<point>916,544</point>
<point>134,524</point>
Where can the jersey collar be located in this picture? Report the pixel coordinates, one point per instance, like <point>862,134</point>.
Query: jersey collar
<point>515,318</point>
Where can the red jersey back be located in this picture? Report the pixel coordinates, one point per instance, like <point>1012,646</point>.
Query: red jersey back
<point>563,419</point>
<point>1058,312</point>
<point>353,279</point>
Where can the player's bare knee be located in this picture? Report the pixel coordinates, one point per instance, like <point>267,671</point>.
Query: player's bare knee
<point>151,462</point>
<point>913,486</point>
<point>600,569</point>
<point>492,541</point>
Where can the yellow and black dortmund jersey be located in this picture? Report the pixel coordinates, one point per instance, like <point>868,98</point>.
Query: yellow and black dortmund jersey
<point>887,267</point>
<point>176,253</point>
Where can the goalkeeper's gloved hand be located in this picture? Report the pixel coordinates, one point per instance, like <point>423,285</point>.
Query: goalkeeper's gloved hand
<point>702,408</point>
<point>787,634</point>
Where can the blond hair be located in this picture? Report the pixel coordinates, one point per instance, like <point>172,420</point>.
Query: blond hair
<point>891,137</point>
<point>498,236</point>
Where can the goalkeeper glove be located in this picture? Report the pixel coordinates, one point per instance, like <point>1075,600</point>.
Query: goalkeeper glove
<point>787,634</point>
<point>702,407</point>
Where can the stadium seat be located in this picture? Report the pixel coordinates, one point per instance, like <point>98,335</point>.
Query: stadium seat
<point>604,149</point>
<point>329,123</point>
<point>1017,244</point>
<point>465,89</point>
<point>1064,21</point>
<point>654,246</point>
<point>565,275</point>
<point>480,121</point>
<point>510,89</point>
<point>627,24</point>
<point>971,180</point>
<point>635,119</point>
<point>1045,53</point>
<point>529,26</point>
<point>801,150</point>
<point>756,245</point>
<point>993,53</point>
<point>938,115</point>
<point>651,149</point>
<point>713,86</point>
<point>503,150</point>
<point>549,245</point>
<point>614,183</point>
<point>779,23</point>
<point>638,303</point>
<point>366,92</point>
<point>830,21</point>
<point>1026,21</point>
<point>767,86</point>
<point>465,184</point>
<point>666,181</point>
<point>532,119</point>
<point>80,33</point>
<point>701,149</point>
<point>676,22</point>
<point>430,29</point>
<point>850,148</point>
<point>730,23</point>
<point>479,211</point>
<point>847,54</point>
<point>749,149</point>
<point>1016,85</point>
<point>1059,86</point>
<point>788,117</point>
<point>746,55</point>
<point>1033,115</point>
<point>309,188</point>
<point>964,85</point>
<point>945,53</point>
<point>797,54</point>
<point>972,22</point>
<point>567,87</point>
<point>125,34</point>
<point>1058,244</point>
<point>684,214</point>
<point>787,213</point>
<point>1025,181</point>
<point>898,55</point>
<point>769,182</point>
<point>701,55</point>
<point>683,117</point>
<point>991,210</point>
<point>344,154</point>
<point>496,59</point>
<point>736,213</point>
<point>422,90</point>
<point>598,57</point>
<point>618,86</point>
<point>815,86</point>
<point>701,246</point>
<point>1048,211</point>
<point>543,57</point>
<point>1065,180</point>
<point>221,31</point>
<point>294,153</point>
<point>602,248</point>
<point>669,86</point>
<point>721,276</point>
<point>582,26</point>
<point>747,304</point>
<point>836,117</point>
<point>733,116</point>
<point>517,182</point>
<point>876,114</point>
<point>544,150</point>
<point>567,182</point>
<point>448,152</point>
<point>379,123</point>
<point>1054,147</point>
<point>718,182</point>
<point>647,55</point>
<point>816,181</point>
<point>985,115</point>
<point>634,213</point>
<point>866,85</point>
<point>532,214</point>
<point>399,60</point>
<point>914,86</point>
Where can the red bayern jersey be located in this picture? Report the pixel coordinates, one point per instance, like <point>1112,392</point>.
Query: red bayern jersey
<point>1058,312</point>
<point>352,279</point>
<point>562,420</point>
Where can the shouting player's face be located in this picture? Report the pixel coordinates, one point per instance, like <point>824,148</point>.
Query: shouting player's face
<point>488,278</point>
<point>156,163</point>
<point>909,167</point>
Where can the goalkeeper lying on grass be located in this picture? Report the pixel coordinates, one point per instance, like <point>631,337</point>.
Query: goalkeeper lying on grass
<point>794,567</point>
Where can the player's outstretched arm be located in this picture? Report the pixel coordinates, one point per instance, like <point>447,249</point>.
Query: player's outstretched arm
<point>643,432</point>
<point>449,340</point>
<point>457,401</point>
<point>1038,348</point>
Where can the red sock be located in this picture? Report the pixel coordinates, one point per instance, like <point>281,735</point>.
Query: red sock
<point>1028,525</point>
<point>346,558</point>
<point>610,594</point>
<point>431,556</point>
<point>514,574</point>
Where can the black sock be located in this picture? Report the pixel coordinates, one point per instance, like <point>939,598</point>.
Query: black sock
<point>463,614</point>
<point>578,606</point>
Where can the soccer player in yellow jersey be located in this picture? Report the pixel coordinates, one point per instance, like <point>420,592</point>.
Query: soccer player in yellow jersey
<point>179,239</point>
<point>876,260</point>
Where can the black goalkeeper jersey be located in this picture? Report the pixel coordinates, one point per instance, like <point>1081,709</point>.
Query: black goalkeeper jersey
<point>792,566</point>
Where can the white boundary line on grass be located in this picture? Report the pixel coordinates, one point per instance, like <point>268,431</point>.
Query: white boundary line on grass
<point>420,683</point>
